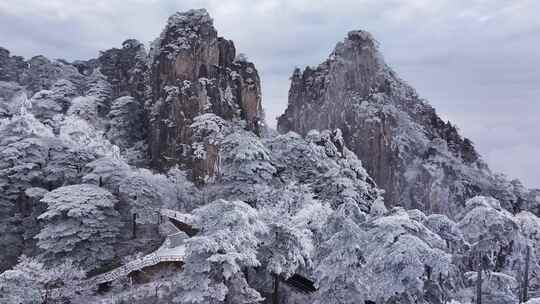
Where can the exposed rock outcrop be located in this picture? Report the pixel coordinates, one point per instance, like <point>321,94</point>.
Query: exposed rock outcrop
<point>190,71</point>
<point>125,69</point>
<point>418,159</point>
<point>11,67</point>
<point>193,71</point>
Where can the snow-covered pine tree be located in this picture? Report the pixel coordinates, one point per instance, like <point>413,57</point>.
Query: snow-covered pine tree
<point>107,172</point>
<point>81,223</point>
<point>295,219</point>
<point>147,192</point>
<point>246,167</point>
<point>217,257</point>
<point>56,101</point>
<point>24,142</point>
<point>494,235</point>
<point>125,122</point>
<point>340,263</point>
<point>31,282</point>
<point>404,259</point>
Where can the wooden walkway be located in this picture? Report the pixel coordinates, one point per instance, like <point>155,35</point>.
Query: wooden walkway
<point>178,223</point>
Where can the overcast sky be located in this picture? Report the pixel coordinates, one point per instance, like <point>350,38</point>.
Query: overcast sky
<point>476,61</point>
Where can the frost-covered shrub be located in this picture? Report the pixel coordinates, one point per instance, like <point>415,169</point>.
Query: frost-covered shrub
<point>81,223</point>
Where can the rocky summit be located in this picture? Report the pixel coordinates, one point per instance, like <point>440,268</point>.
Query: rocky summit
<point>193,71</point>
<point>419,160</point>
<point>147,175</point>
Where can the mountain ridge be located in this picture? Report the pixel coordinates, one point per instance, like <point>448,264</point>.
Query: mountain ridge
<point>97,157</point>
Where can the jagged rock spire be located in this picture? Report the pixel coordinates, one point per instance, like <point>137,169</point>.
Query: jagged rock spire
<point>194,71</point>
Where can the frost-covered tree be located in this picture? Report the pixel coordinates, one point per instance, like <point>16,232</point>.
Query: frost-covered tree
<point>503,190</point>
<point>77,144</point>
<point>85,142</point>
<point>494,235</point>
<point>216,257</point>
<point>404,259</point>
<point>289,248</point>
<point>246,167</point>
<point>125,122</point>
<point>233,162</point>
<point>147,192</point>
<point>188,196</point>
<point>295,220</point>
<point>86,107</point>
<point>142,190</point>
<point>340,268</point>
<point>334,173</point>
<point>107,172</point>
<point>497,288</point>
<point>100,90</point>
<point>530,229</point>
<point>19,284</point>
<point>10,93</point>
<point>389,257</point>
<point>81,223</point>
<point>57,100</point>
<point>448,230</point>
<point>24,142</point>
<point>31,282</point>
<point>208,130</point>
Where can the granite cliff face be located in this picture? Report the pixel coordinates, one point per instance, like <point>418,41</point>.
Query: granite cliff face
<point>417,158</point>
<point>189,71</point>
<point>193,71</point>
<point>142,102</point>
